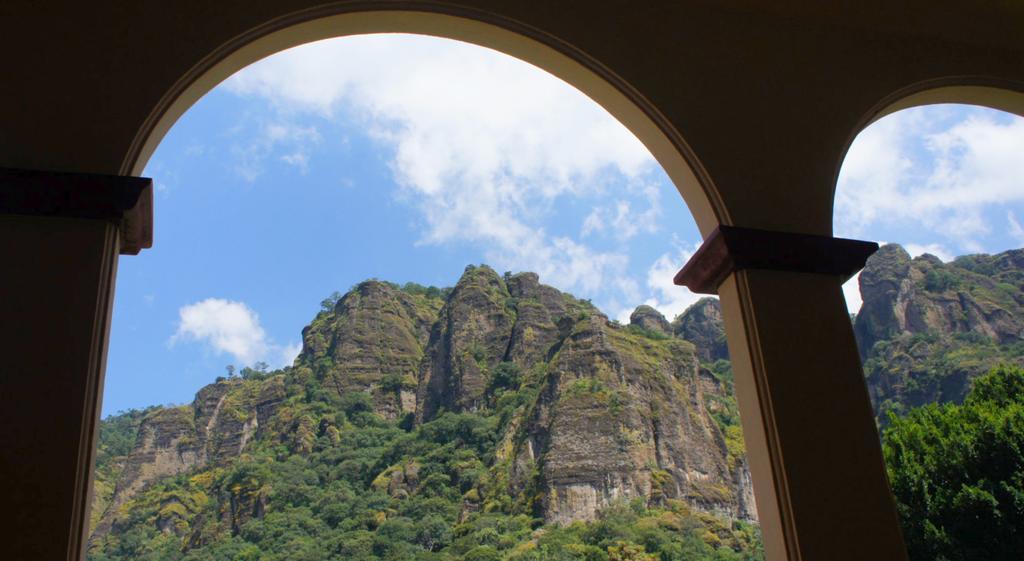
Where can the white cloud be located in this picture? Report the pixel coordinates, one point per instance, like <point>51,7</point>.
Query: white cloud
<point>851,292</point>
<point>229,327</point>
<point>250,157</point>
<point>622,219</point>
<point>593,223</point>
<point>916,168</point>
<point>297,159</point>
<point>289,353</point>
<point>938,250</point>
<point>1016,231</point>
<point>669,299</point>
<point>482,144</point>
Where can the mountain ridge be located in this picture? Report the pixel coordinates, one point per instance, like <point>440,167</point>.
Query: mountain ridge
<point>558,414</point>
<point>928,328</point>
<point>504,419</point>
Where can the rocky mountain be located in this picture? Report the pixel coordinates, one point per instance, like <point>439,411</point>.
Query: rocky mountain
<point>372,341</point>
<point>702,325</point>
<point>502,419</point>
<point>928,328</point>
<point>222,420</point>
<point>500,403</point>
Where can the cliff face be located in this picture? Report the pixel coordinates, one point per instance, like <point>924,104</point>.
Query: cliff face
<point>927,328</point>
<point>214,429</point>
<point>469,339</point>
<point>622,416</point>
<point>979,294</point>
<point>646,317</point>
<point>585,413</point>
<point>372,341</point>
<point>539,309</point>
<point>701,324</point>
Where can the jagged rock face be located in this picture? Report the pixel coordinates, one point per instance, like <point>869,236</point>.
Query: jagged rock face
<point>884,285</point>
<point>469,339</point>
<point>926,328</point>
<point>701,324</point>
<point>372,342</point>
<point>241,413</point>
<point>166,445</point>
<point>223,418</point>
<point>975,293</point>
<point>646,317</point>
<point>538,308</point>
<point>623,416</point>
<point>607,412</point>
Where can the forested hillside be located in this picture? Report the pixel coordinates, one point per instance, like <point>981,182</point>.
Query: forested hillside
<point>498,419</point>
<point>502,419</point>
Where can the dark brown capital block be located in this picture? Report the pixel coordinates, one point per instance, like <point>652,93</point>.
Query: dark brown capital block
<point>729,249</point>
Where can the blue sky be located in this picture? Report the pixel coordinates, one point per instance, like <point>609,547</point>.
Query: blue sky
<point>406,158</point>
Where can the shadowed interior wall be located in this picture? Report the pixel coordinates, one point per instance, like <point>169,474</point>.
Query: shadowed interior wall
<point>750,107</point>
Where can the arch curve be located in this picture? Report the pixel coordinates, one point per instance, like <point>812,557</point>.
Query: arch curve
<point>993,93</point>
<point>1003,95</point>
<point>488,30</point>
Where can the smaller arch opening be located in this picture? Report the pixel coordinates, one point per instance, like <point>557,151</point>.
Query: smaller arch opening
<point>937,311</point>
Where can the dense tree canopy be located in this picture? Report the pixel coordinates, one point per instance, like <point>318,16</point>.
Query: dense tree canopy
<point>957,472</point>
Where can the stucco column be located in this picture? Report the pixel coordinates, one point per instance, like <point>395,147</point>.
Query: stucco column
<point>60,236</point>
<point>819,478</point>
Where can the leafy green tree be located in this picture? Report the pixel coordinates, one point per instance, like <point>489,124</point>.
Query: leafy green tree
<point>506,375</point>
<point>328,304</point>
<point>957,472</point>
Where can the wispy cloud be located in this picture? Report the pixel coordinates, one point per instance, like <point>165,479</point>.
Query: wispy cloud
<point>921,168</point>
<point>482,144</point>
<point>938,250</point>
<point>250,156</point>
<point>669,299</point>
<point>1015,229</point>
<point>622,220</point>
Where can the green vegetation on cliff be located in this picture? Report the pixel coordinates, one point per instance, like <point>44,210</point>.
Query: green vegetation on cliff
<point>504,420</point>
<point>928,328</point>
<point>499,420</point>
<point>116,440</point>
<point>370,490</point>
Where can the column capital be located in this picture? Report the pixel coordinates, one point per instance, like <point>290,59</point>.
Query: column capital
<point>124,200</point>
<point>731,248</point>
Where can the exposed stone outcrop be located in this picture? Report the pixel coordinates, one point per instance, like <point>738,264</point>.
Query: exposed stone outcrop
<point>646,317</point>
<point>701,324</point>
<point>927,328</point>
<point>470,338</point>
<point>605,412</point>
<point>978,294</point>
<point>167,444</point>
<point>399,481</point>
<point>373,341</point>
<point>884,286</point>
<point>222,419</point>
<point>623,416</point>
<point>538,309</point>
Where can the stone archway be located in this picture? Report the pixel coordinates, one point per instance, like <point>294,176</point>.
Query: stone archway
<point>571,65</point>
<point>765,95</point>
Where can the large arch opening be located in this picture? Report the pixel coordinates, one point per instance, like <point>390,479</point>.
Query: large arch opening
<point>707,379</point>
